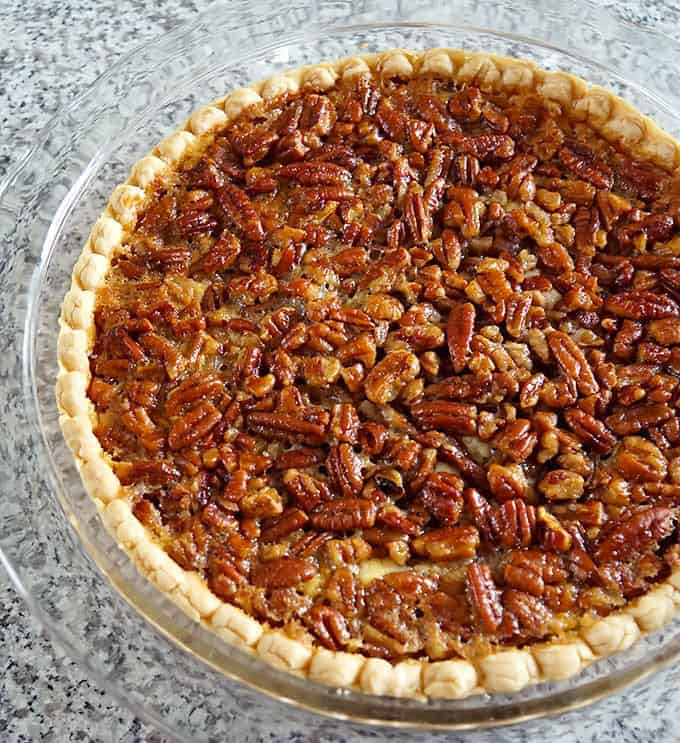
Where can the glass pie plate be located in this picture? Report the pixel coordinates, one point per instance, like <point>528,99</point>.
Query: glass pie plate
<point>87,593</point>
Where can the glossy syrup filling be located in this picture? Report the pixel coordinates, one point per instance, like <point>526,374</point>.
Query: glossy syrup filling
<point>396,366</point>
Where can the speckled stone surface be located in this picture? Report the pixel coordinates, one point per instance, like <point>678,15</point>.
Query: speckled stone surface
<point>49,51</point>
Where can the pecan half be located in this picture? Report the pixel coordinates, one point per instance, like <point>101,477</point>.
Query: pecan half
<point>517,313</point>
<point>344,515</point>
<point>455,417</point>
<point>641,305</point>
<point>459,330</point>
<point>240,210</point>
<point>513,523</point>
<point>329,626</point>
<point>193,425</point>
<point>584,165</point>
<point>573,362</point>
<point>526,578</point>
<point>640,533</point>
<point>591,431</point>
<point>312,173</point>
<point>345,423</point>
<point>442,496</point>
<point>344,470</point>
<point>196,222</point>
<point>637,418</point>
<point>484,597</point>
<point>290,520</point>
<point>283,572</point>
<point>283,425</point>
<point>480,511</point>
<point>417,217</point>
<point>389,376</point>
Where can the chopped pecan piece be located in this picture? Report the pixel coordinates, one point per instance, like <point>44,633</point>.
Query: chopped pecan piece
<point>506,483</point>
<point>154,472</point>
<point>223,253</point>
<point>454,453</point>
<point>532,614</point>
<point>305,489</point>
<point>449,543</point>
<point>442,497</point>
<point>398,522</point>
<point>640,460</point>
<point>555,536</point>
<point>261,504</point>
<point>517,440</point>
<point>389,376</point>
<point>562,485</point>
<point>666,331</point>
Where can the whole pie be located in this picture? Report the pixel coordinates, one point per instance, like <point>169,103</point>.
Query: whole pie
<point>373,368</point>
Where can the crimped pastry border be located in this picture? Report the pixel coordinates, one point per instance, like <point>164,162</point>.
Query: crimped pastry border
<point>503,671</point>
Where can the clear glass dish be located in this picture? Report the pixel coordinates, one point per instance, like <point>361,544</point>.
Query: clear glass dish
<point>137,644</point>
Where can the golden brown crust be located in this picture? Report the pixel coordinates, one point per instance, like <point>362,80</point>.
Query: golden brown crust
<point>504,671</point>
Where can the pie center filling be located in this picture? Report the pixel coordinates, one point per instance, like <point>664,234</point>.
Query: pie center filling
<point>396,365</point>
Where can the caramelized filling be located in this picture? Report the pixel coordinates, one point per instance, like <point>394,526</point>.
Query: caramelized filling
<point>397,365</point>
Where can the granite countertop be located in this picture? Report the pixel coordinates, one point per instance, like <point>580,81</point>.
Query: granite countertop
<point>49,52</point>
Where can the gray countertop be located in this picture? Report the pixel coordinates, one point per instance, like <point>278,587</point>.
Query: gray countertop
<point>49,51</point>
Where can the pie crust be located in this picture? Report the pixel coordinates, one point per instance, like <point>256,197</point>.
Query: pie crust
<point>503,671</point>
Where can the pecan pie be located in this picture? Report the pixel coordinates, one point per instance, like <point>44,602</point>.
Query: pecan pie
<point>373,368</point>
